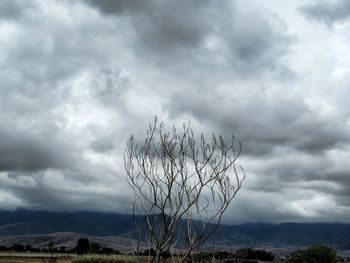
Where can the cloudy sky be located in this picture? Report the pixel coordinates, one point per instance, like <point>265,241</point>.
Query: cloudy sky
<point>78,77</point>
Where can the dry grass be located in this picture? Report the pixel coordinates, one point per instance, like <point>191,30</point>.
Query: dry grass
<point>104,259</point>
<point>18,257</point>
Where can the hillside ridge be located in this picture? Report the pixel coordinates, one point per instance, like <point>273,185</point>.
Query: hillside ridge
<point>28,222</point>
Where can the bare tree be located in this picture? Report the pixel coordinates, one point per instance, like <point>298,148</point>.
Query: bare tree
<point>182,186</point>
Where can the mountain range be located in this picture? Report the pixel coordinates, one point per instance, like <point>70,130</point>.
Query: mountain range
<point>21,225</point>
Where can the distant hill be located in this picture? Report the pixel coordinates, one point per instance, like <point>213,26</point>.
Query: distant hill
<point>40,223</point>
<point>26,222</point>
<point>67,240</point>
<point>294,234</point>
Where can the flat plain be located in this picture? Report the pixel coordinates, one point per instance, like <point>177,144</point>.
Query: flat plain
<point>23,257</point>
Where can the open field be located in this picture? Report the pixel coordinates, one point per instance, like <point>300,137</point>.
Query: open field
<point>23,257</point>
<point>18,257</point>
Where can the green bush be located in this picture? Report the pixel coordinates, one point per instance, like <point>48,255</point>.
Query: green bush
<point>316,254</point>
<point>83,246</point>
<point>254,254</point>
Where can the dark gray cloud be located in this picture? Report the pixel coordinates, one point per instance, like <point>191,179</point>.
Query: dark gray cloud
<point>26,151</point>
<point>328,11</point>
<point>174,23</point>
<point>13,9</point>
<point>169,35</point>
<point>111,7</point>
<point>258,48</point>
<point>264,123</point>
<point>203,31</point>
<point>48,191</point>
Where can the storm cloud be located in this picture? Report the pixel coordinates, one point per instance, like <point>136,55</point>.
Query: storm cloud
<point>78,78</point>
<point>328,11</point>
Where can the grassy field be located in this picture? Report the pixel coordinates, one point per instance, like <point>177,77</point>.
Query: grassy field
<point>17,257</point>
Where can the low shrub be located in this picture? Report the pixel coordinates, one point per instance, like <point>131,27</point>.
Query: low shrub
<point>316,254</point>
<point>254,254</point>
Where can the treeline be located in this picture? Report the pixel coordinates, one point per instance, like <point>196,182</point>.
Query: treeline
<point>84,246</point>
<point>315,254</point>
<point>241,254</point>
